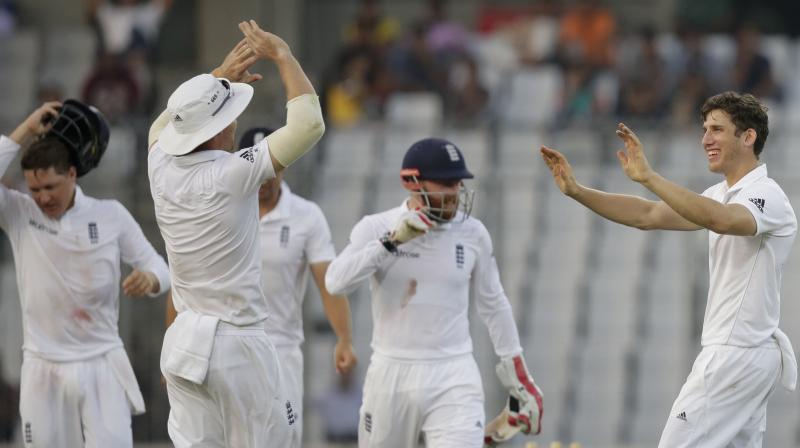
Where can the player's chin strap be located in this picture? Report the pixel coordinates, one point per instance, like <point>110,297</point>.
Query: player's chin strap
<point>524,408</point>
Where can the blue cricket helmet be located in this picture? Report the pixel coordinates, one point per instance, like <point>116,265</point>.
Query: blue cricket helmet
<point>435,159</point>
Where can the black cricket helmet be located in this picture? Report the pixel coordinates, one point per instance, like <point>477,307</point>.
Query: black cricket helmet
<point>84,130</point>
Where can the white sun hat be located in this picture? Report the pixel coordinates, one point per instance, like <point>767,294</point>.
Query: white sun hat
<point>199,109</point>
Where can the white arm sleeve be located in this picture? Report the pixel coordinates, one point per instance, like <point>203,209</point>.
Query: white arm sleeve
<point>363,256</point>
<point>304,127</point>
<point>491,302</point>
<point>136,251</point>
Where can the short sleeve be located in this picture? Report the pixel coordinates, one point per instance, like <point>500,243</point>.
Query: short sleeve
<point>243,172</point>
<point>319,245</point>
<point>770,207</point>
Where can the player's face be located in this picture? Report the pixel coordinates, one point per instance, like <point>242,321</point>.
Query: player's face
<point>443,195</point>
<point>53,192</point>
<point>724,149</point>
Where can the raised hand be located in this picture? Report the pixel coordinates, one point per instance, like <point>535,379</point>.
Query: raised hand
<point>412,223</point>
<point>561,170</point>
<point>632,159</point>
<point>237,63</point>
<point>38,122</point>
<point>265,45</point>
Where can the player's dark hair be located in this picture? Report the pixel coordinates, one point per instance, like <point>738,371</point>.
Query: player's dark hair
<point>746,112</point>
<point>45,153</point>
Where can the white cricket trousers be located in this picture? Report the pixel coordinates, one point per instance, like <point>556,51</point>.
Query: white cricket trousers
<point>73,404</point>
<point>241,404</point>
<point>441,399</point>
<point>291,357</point>
<point>724,400</point>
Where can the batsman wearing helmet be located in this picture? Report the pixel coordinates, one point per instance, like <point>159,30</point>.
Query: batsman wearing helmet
<point>78,388</point>
<point>422,260</point>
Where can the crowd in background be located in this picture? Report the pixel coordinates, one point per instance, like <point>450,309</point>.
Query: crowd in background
<point>606,70</point>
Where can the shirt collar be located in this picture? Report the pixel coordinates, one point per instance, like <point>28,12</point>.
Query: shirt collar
<point>195,158</point>
<point>282,209</point>
<point>755,174</point>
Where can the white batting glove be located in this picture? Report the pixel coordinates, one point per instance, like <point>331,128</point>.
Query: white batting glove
<point>513,374</point>
<point>412,224</point>
<point>500,430</point>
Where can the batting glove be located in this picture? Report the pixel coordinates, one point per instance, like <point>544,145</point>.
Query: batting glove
<point>513,374</point>
<point>412,224</point>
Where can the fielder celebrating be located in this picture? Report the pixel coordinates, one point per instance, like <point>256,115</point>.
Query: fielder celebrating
<point>751,229</point>
<point>223,376</point>
<point>422,259</point>
<point>296,239</point>
<point>78,388</point>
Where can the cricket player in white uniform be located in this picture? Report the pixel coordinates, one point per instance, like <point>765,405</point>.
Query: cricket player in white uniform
<point>296,239</point>
<point>223,376</point>
<point>751,229</point>
<point>422,260</point>
<point>77,385</point>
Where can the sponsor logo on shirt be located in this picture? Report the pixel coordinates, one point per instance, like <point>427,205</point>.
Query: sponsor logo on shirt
<point>760,203</point>
<point>404,254</point>
<point>42,227</point>
<point>93,234</point>
<point>248,155</point>
<point>284,236</point>
<point>460,256</point>
<point>681,416</point>
<point>28,433</point>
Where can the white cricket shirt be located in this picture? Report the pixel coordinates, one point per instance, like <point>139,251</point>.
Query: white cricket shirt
<point>68,270</point>
<point>743,307</point>
<point>207,209</point>
<point>421,295</point>
<point>294,235</point>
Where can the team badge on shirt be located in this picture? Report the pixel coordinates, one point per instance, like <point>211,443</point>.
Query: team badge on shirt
<point>460,256</point>
<point>760,203</point>
<point>94,236</point>
<point>285,236</point>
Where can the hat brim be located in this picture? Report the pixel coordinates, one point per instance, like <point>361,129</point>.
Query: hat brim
<point>177,144</point>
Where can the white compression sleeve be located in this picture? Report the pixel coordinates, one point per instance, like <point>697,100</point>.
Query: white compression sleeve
<point>304,127</point>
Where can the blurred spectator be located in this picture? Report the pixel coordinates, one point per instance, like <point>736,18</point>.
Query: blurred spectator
<point>339,408</point>
<point>694,85</point>
<point>126,24</point>
<point>347,97</point>
<point>8,17</point>
<point>642,80</point>
<point>445,38</point>
<point>752,71</point>
<point>380,30</point>
<point>467,97</point>
<point>111,88</point>
<point>587,35</point>
<point>413,65</point>
<point>585,50</point>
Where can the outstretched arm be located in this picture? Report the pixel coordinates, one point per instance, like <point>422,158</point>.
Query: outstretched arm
<point>728,219</point>
<point>337,309</point>
<point>624,209</point>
